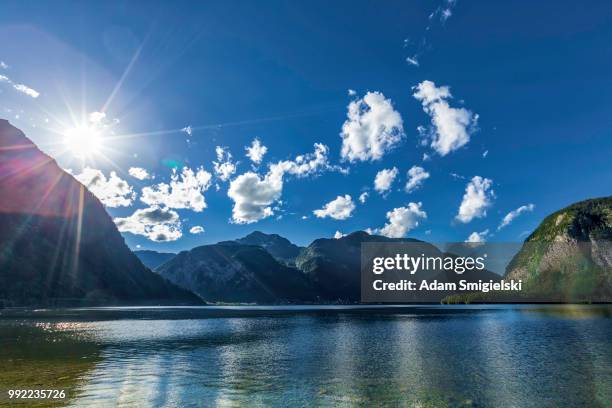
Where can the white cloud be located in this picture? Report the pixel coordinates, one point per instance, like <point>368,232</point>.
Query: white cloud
<point>112,192</point>
<point>384,179</point>
<point>97,117</point>
<point>373,127</point>
<point>256,151</point>
<point>196,229</point>
<point>224,168</point>
<point>477,198</point>
<point>339,235</point>
<point>184,191</point>
<point>401,220</point>
<point>339,209</point>
<point>27,90</point>
<point>445,14</point>
<point>413,61</point>
<point>363,197</point>
<point>139,173</point>
<point>253,194</point>
<point>445,11</point>
<point>477,237</point>
<point>157,224</point>
<point>188,130</point>
<point>352,92</point>
<point>311,163</point>
<point>3,65</point>
<point>485,153</point>
<point>20,87</point>
<point>515,213</point>
<point>416,176</point>
<point>451,127</point>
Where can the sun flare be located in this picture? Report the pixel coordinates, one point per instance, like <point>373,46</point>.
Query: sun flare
<point>83,141</point>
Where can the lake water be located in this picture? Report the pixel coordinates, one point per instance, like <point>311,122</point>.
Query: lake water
<point>421,356</point>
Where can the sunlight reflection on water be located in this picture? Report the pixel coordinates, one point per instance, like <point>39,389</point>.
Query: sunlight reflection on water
<point>497,357</point>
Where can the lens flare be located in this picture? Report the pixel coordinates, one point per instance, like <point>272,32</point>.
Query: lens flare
<point>83,141</point>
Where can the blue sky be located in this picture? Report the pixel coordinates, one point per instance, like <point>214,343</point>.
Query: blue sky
<point>529,84</point>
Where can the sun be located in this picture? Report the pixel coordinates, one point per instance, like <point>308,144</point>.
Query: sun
<point>83,141</point>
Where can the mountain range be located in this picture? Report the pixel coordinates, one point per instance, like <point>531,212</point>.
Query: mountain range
<point>58,245</point>
<point>153,259</point>
<point>326,271</point>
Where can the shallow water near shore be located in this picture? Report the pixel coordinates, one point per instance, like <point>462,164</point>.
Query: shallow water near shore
<point>421,356</point>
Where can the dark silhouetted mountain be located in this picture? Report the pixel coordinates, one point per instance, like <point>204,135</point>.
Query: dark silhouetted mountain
<point>569,256</point>
<point>277,246</point>
<point>153,259</point>
<point>58,246</point>
<point>234,272</point>
<point>334,265</point>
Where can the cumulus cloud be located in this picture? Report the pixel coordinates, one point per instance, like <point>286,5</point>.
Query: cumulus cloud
<point>157,224</point>
<point>416,176</point>
<point>184,191</point>
<point>451,128</point>
<point>384,179</point>
<point>352,92</point>
<point>311,163</point>
<point>112,192</point>
<point>339,209</point>
<point>477,198</point>
<point>339,235</point>
<point>254,194</point>
<point>363,197</point>
<point>401,220</point>
<point>478,237</point>
<point>508,218</point>
<point>224,168</point>
<point>196,229</point>
<point>139,173</point>
<point>3,65</point>
<point>373,127</point>
<point>256,151</point>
